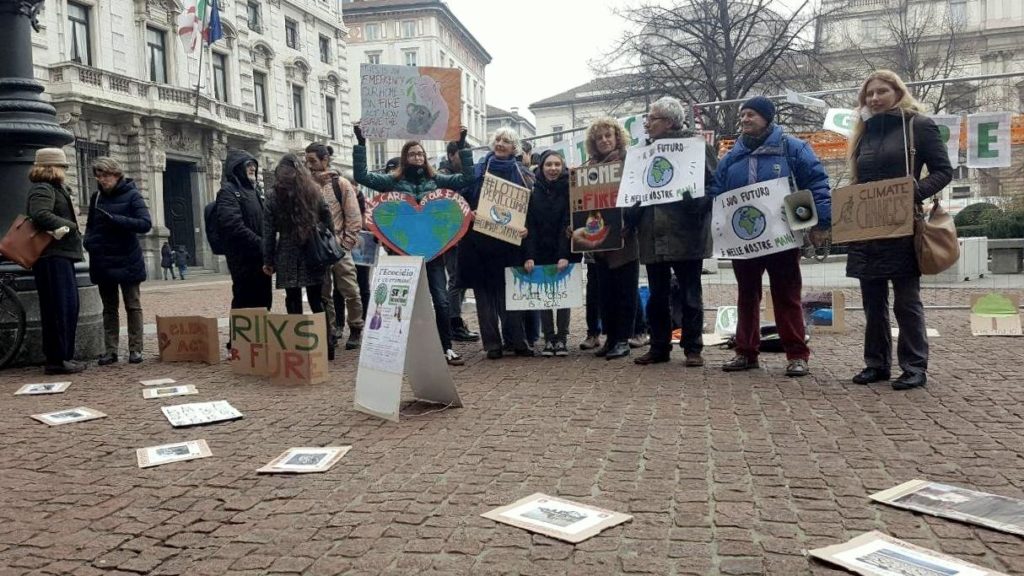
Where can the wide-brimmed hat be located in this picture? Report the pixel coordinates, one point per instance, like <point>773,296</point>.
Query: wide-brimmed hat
<point>51,157</point>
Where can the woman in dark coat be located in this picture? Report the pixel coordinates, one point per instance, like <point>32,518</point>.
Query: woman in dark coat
<point>879,151</point>
<point>292,215</point>
<point>167,260</point>
<point>483,259</point>
<point>117,215</point>
<point>547,243</point>
<point>51,210</point>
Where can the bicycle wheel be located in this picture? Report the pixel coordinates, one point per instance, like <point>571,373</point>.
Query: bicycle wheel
<point>12,325</point>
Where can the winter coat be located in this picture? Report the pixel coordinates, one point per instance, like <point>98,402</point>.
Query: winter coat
<point>482,259</point>
<point>778,157</point>
<point>679,230</point>
<point>240,215</point>
<point>50,208</point>
<point>345,215</point>
<point>115,220</point>
<point>629,251</point>
<point>286,252</point>
<point>881,154</point>
<point>418,186</point>
<point>181,257</point>
<point>166,256</point>
<point>547,220</point>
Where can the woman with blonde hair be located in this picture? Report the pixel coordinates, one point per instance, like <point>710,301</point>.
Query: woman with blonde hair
<point>893,139</point>
<point>51,210</point>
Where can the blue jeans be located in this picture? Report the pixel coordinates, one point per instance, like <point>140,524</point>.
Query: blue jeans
<point>181,271</point>
<point>437,280</point>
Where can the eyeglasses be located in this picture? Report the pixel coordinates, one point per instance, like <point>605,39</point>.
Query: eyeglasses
<point>417,154</point>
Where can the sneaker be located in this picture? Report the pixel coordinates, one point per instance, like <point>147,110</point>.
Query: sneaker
<point>453,358</point>
<point>355,335</point>
<point>797,368</point>
<point>560,349</point>
<point>602,351</point>
<point>639,341</point>
<point>591,342</point>
<point>135,357</point>
<point>739,363</point>
<point>694,360</point>
<point>107,359</point>
<point>619,350</point>
<point>549,350</point>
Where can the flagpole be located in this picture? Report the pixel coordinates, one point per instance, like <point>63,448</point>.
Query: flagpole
<point>199,81</point>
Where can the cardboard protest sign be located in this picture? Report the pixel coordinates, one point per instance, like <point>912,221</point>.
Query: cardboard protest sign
<point>840,121</point>
<point>876,554</point>
<point>873,211</point>
<point>501,212</point>
<point>410,102</point>
<point>401,333</point>
<point>749,222</point>
<point>949,131</point>
<point>200,413</point>
<point>167,453</point>
<point>188,339</point>
<point>995,314</point>
<point>546,288</point>
<point>297,348</point>
<point>365,252</point>
<point>981,508</point>
<point>988,140</point>
<point>662,172</point>
<point>560,519</point>
<point>824,312</point>
<point>428,228</point>
<point>248,337</point>
<point>596,221</point>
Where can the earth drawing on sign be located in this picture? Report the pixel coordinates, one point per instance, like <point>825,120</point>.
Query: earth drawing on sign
<point>659,172</point>
<point>426,229</point>
<point>748,222</point>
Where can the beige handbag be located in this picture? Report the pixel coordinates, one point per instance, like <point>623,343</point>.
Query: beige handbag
<point>23,243</point>
<point>935,240</point>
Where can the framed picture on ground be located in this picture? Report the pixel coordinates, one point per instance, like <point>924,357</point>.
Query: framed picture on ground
<point>167,453</point>
<point>981,508</point>
<point>876,554</point>
<point>80,414</point>
<point>557,518</point>
<point>46,388</point>
<point>305,460</point>
<point>169,391</point>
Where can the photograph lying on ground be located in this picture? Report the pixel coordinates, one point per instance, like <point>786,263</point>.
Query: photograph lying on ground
<point>305,460</point>
<point>981,508</point>
<point>168,392</point>
<point>80,414</point>
<point>876,554</point>
<point>557,518</point>
<point>167,453</point>
<point>47,388</point>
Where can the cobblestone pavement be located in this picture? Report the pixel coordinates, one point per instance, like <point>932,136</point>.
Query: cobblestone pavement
<point>723,473</point>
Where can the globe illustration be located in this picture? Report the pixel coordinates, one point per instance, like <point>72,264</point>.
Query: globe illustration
<point>660,172</point>
<point>748,222</point>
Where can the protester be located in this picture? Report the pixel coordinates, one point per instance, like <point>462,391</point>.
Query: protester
<point>674,237</point>
<point>240,206</point>
<point>881,148</point>
<point>415,176</point>
<point>167,260</point>
<point>618,271</point>
<point>293,213</point>
<point>50,208</point>
<point>763,153</point>
<point>117,215</point>
<point>547,243</point>
<point>483,259</point>
<point>456,296</point>
<point>340,196</point>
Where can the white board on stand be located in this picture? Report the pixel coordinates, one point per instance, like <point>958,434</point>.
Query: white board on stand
<point>400,333</point>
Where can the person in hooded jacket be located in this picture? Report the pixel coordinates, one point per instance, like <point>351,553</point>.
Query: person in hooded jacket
<point>892,138</point>
<point>483,259</point>
<point>240,205</point>
<point>763,153</point>
<point>117,215</point>
<point>167,260</point>
<point>674,237</point>
<point>547,243</point>
<point>452,164</point>
<point>415,176</point>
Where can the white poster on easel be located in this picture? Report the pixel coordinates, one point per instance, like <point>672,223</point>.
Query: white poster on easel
<point>400,333</point>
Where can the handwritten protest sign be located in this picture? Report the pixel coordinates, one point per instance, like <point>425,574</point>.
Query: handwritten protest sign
<point>872,211</point>
<point>749,222</point>
<point>297,346</point>
<point>410,102</point>
<point>546,288</point>
<point>501,212</point>
<point>248,337</point>
<point>662,172</point>
<point>596,222</point>
<point>366,250</point>
<point>428,228</point>
<point>188,339</point>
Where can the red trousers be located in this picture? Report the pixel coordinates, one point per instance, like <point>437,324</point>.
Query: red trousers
<point>784,276</point>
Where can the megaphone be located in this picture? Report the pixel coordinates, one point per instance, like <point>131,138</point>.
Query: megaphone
<point>800,210</point>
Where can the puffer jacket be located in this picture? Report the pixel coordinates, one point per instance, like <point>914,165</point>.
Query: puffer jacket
<point>240,214</point>
<point>115,220</point>
<point>50,208</point>
<point>880,155</point>
<point>416,185</point>
<point>547,219</point>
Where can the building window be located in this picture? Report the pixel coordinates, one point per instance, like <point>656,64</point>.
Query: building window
<point>252,16</point>
<point>961,192</point>
<point>557,137</point>
<point>220,77</point>
<point>329,117</point>
<point>408,28</point>
<point>372,32</point>
<point>259,84</point>
<point>410,57</point>
<point>325,49</point>
<point>298,115</point>
<point>961,172</point>
<point>86,153</point>
<point>78,22</point>
<point>373,57</point>
<point>156,52</point>
<point>958,12</point>
<point>291,33</point>
<point>440,61</point>
<point>378,154</point>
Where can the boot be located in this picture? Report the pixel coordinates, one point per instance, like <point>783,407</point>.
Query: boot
<point>461,332</point>
<point>355,335</point>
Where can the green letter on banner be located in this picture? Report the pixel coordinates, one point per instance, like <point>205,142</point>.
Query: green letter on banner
<point>943,133</point>
<point>986,139</point>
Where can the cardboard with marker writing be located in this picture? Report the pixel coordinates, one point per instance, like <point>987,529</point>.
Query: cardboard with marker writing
<point>188,339</point>
<point>297,348</point>
<point>248,336</point>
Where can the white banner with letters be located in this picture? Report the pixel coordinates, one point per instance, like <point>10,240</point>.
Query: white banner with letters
<point>749,222</point>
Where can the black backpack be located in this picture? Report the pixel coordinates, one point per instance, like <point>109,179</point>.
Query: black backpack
<point>212,224</point>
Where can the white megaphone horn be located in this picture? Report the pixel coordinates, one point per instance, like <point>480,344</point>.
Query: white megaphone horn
<point>800,210</point>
